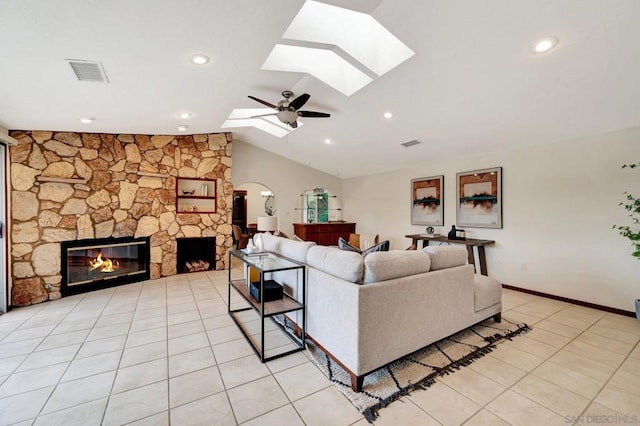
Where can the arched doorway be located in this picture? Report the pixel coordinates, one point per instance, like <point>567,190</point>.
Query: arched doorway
<point>251,200</point>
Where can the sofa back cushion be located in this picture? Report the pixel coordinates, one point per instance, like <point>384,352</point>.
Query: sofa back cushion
<point>346,265</point>
<point>296,250</point>
<point>443,257</point>
<point>387,265</point>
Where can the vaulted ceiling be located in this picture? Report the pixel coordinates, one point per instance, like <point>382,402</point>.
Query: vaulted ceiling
<point>473,85</point>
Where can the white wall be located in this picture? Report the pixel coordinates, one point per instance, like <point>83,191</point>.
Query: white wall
<point>560,201</point>
<point>287,179</point>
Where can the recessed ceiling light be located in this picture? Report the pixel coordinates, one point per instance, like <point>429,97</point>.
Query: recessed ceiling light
<point>545,44</point>
<point>184,115</point>
<point>200,59</point>
<point>328,141</point>
<point>388,114</point>
<point>182,128</point>
<point>87,120</point>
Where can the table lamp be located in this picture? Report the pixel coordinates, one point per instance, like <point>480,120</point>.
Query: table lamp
<point>267,223</point>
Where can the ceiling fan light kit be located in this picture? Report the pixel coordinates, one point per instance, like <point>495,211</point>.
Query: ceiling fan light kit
<point>289,111</point>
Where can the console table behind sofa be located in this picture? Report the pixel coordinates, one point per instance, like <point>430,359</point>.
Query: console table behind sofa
<point>469,242</point>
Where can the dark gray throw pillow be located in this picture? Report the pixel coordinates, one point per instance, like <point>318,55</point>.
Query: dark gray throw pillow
<point>344,245</point>
<point>382,246</point>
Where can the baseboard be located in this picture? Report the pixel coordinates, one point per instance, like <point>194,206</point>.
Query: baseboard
<point>573,301</point>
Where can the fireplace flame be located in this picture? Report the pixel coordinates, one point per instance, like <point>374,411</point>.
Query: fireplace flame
<point>105,265</point>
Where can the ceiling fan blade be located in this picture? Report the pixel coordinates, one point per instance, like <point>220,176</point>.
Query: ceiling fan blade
<point>313,114</point>
<point>263,102</point>
<point>294,124</point>
<point>263,115</point>
<point>298,102</point>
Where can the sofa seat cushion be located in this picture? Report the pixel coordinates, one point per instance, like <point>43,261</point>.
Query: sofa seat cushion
<point>443,257</point>
<point>346,265</point>
<point>387,265</point>
<point>296,250</point>
<point>487,292</point>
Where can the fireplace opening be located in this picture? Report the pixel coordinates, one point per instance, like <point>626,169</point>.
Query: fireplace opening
<point>196,254</point>
<point>94,264</point>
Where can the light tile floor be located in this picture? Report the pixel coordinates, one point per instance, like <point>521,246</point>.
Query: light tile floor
<point>166,352</point>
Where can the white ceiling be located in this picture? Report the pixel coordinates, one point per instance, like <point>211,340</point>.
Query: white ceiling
<point>472,86</point>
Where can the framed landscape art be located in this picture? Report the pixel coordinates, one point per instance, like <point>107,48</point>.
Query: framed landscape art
<point>479,198</point>
<point>427,207</point>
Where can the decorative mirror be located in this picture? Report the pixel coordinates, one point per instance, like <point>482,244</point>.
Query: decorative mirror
<point>318,205</point>
<point>270,205</point>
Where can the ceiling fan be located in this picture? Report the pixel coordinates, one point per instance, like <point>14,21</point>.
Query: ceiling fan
<point>288,111</point>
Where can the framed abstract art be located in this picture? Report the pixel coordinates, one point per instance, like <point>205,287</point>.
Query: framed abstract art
<point>427,206</point>
<point>479,195</point>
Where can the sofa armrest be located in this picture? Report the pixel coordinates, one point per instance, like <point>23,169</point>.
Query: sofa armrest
<point>333,315</point>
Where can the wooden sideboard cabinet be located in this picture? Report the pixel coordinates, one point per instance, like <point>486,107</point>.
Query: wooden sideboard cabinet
<point>325,233</point>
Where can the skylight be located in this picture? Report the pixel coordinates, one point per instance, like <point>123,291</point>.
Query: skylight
<point>325,65</point>
<point>359,35</point>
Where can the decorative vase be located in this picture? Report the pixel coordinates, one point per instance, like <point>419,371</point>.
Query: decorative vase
<point>452,234</point>
<point>259,243</point>
<point>638,309</point>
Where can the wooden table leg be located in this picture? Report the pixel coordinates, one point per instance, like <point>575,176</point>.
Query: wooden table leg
<point>483,261</point>
<point>471,258</point>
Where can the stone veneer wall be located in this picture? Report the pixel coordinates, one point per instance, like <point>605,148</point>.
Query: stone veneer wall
<point>116,201</point>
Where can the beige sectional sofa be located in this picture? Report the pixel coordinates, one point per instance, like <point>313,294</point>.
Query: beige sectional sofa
<point>366,313</point>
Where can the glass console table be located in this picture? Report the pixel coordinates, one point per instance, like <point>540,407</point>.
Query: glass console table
<point>267,263</point>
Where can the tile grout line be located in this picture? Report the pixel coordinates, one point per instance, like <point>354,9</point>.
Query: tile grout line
<point>34,350</point>
<point>593,400</point>
<point>166,307</point>
<point>76,354</point>
<point>549,360</point>
<point>106,406</point>
<point>507,388</point>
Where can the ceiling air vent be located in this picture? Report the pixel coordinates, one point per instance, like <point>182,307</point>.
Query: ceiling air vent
<point>88,70</point>
<point>411,143</point>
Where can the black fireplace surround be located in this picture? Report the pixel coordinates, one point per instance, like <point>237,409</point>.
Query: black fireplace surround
<point>95,264</point>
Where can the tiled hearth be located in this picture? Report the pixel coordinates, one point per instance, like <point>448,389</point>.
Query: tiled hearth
<point>166,350</point>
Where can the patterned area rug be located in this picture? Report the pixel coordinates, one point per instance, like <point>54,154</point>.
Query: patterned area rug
<point>419,369</point>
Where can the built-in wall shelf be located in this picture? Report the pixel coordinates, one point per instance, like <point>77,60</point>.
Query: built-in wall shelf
<point>194,195</point>
<point>61,180</point>
<point>160,175</point>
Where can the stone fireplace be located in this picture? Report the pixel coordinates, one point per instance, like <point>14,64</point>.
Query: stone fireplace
<point>81,186</point>
<point>94,264</point>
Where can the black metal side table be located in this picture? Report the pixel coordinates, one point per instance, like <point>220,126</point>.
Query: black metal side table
<point>267,263</point>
